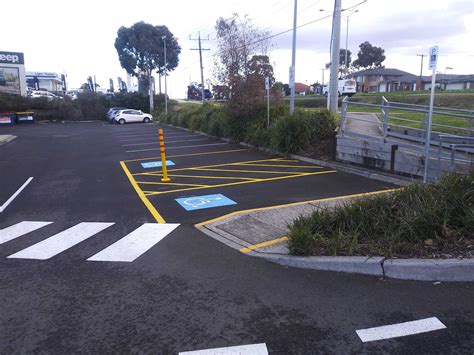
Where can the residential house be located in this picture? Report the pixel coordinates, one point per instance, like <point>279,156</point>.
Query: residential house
<point>449,82</point>
<point>302,89</point>
<point>383,80</point>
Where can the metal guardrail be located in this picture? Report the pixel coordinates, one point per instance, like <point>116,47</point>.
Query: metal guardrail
<point>456,148</point>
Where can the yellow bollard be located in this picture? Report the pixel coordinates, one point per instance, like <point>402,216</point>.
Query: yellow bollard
<point>163,157</point>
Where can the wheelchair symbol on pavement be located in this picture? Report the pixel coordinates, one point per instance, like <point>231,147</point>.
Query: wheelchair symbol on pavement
<point>207,201</point>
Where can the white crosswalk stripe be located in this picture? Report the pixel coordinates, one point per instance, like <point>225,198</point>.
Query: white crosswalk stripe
<point>19,229</point>
<point>252,349</point>
<point>136,243</point>
<point>60,242</point>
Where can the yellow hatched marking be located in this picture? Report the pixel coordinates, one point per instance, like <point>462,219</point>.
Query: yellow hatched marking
<point>171,183</point>
<point>249,248</point>
<point>250,171</point>
<point>214,177</point>
<point>191,154</point>
<point>208,166</point>
<point>245,182</point>
<point>285,166</point>
<point>142,195</point>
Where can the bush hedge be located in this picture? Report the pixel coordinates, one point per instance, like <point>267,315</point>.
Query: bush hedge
<point>416,221</point>
<point>287,133</point>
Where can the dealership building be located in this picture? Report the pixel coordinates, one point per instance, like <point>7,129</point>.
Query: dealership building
<point>45,80</point>
<point>12,73</point>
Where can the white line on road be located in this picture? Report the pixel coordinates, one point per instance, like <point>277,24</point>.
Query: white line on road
<point>253,349</point>
<point>4,206</point>
<point>400,329</point>
<point>155,137</point>
<point>19,229</point>
<point>166,142</point>
<point>186,146</point>
<point>136,243</point>
<point>60,242</point>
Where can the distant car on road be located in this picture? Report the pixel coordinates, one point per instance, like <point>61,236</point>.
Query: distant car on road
<point>125,116</point>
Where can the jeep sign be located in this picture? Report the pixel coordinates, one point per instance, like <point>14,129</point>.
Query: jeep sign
<point>11,58</point>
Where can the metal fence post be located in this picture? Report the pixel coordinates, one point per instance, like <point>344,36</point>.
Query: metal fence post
<point>343,115</point>
<point>385,111</point>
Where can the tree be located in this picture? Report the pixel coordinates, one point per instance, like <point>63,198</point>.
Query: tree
<point>342,60</point>
<point>242,64</point>
<point>369,56</point>
<point>141,51</point>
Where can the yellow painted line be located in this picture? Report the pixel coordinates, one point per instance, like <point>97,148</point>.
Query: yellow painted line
<point>189,155</point>
<point>245,182</point>
<point>208,166</point>
<point>249,248</point>
<point>285,166</point>
<point>142,196</point>
<point>213,177</point>
<point>170,183</point>
<point>236,213</point>
<point>250,171</point>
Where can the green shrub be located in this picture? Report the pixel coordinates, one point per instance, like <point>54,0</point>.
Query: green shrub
<point>394,224</point>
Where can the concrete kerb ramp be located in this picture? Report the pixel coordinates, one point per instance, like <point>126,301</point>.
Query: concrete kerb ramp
<point>262,233</point>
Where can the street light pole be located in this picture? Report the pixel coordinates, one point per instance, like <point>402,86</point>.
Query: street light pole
<point>335,45</point>
<point>293,59</point>
<point>166,74</point>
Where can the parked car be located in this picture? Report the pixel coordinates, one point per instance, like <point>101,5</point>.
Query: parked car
<point>112,112</point>
<point>46,94</point>
<point>124,116</point>
<point>345,87</point>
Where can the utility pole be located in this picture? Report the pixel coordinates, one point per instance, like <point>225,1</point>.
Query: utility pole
<point>293,59</point>
<point>166,74</point>
<point>200,60</point>
<point>421,70</point>
<point>335,44</point>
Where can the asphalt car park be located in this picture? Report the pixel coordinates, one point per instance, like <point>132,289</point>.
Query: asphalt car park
<point>76,282</point>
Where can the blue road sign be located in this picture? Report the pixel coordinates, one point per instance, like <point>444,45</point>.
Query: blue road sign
<point>206,201</point>
<point>156,164</point>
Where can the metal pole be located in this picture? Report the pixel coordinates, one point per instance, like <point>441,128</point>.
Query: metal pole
<point>268,108</point>
<point>293,58</point>
<point>166,72</point>
<point>202,69</point>
<point>335,45</point>
<point>347,36</point>
<point>323,79</point>
<point>428,131</point>
<point>421,69</point>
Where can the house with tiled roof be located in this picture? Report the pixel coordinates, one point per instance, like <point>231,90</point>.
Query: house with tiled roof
<point>383,80</point>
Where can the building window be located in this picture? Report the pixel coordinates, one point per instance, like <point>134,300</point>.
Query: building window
<point>9,80</point>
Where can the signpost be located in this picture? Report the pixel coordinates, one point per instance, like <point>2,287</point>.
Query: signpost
<point>267,88</point>
<point>433,57</point>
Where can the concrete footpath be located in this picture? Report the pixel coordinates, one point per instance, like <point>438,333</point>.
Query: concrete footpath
<point>262,233</point>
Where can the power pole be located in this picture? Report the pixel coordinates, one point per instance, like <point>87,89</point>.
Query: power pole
<point>293,58</point>
<point>335,44</point>
<point>200,49</point>
<point>166,74</point>
<point>421,70</point>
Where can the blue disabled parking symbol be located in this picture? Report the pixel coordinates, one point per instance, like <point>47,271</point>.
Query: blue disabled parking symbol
<point>206,201</point>
<point>156,164</point>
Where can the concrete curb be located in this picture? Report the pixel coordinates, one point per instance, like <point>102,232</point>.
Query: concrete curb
<point>430,269</point>
<point>4,139</point>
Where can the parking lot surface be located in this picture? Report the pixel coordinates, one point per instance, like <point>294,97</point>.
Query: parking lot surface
<point>98,254</point>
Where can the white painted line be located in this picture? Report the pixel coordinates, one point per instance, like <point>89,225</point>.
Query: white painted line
<point>145,133</point>
<point>19,229</point>
<point>136,243</point>
<point>60,242</point>
<point>186,146</point>
<point>166,142</point>
<point>400,329</point>
<point>4,206</point>
<point>252,349</point>
<point>154,137</point>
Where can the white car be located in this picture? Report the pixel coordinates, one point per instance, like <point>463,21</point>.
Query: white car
<point>46,94</point>
<point>124,116</point>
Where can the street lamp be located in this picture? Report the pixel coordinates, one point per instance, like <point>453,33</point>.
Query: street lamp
<point>347,32</point>
<point>166,84</point>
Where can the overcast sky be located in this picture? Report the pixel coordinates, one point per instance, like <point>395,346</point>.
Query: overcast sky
<point>77,37</point>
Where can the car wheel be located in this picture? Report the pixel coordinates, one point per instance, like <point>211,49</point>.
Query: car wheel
<point>146,120</point>
<point>121,121</point>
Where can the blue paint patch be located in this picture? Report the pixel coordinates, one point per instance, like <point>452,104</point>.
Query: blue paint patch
<point>156,164</point>
<point>206,201</point>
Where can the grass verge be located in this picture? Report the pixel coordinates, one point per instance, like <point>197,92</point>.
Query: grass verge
<point>424,221</point>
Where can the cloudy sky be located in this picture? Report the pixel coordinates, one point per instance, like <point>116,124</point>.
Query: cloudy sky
<point>77,37</point>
